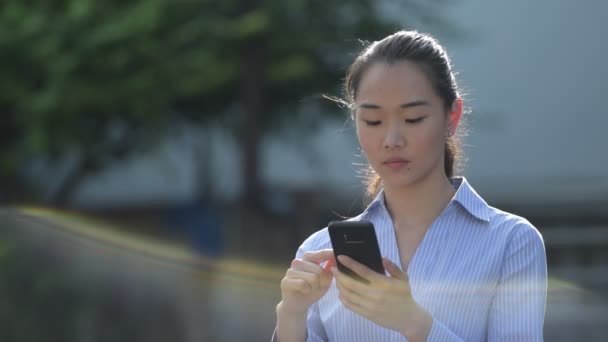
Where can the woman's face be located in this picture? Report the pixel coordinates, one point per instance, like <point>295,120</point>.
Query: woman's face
<point>402,123</point>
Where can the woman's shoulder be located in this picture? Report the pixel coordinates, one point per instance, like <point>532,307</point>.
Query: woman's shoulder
<point>513,225</point>
<point>316,241</point>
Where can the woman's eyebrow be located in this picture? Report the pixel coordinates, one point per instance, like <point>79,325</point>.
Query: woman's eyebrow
<point>405,105</point>
<point>416,103</point>
<point>367,105</point>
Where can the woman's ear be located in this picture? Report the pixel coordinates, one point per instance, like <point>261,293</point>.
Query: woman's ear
<point>454,116</point>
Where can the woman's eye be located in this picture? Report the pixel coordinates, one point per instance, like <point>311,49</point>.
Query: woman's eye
<point>414,121</point>
<point>372,123</point>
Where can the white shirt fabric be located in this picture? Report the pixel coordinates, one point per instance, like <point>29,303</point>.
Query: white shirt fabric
<point>479,271</point>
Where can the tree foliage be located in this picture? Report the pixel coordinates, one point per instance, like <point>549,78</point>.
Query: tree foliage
<point>105,78</point>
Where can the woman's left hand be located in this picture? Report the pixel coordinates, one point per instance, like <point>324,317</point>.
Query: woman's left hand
<point>385,300</point>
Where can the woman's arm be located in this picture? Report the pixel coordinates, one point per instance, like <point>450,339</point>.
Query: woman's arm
<point>308,328</point>
<point>305,282</point>
<point>518,308</point>
<point>290,326</point>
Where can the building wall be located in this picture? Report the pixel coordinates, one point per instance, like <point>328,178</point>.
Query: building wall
<point>536,75</point>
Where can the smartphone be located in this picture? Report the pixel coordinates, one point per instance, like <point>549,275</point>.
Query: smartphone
<point>356,239</point>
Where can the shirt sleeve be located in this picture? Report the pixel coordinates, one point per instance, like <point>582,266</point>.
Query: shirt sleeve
<point>518,310</point>
<point>314,326</point>
<point>440,333</point>
<point>315,330</point>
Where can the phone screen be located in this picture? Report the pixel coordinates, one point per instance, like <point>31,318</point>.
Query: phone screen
<point>356,239</point>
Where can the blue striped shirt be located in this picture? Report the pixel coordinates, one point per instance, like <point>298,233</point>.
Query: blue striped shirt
<point>479,271</point>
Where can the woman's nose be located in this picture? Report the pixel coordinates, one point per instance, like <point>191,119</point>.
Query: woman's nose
<point>394,138</point>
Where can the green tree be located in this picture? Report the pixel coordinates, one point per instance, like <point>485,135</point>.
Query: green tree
<point>102,79</point>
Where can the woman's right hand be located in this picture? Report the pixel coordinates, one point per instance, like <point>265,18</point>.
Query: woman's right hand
<point>306,281</point>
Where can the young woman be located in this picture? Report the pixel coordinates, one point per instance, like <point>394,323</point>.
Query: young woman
<point>457,268</point>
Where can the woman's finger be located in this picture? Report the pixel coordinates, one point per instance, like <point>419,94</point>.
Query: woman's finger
<point>318,257</point>
<point>329,264</point>
<point>352,304</point>
<point>349,282</point>
<point>312,279</point>
<point>306,266</point>
<point>351,294</point>
<point>393,269</point>
<point>295,285</point>
<point>360,269</point>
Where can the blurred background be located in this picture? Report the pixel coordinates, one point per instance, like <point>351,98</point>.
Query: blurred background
<point>161,161</point>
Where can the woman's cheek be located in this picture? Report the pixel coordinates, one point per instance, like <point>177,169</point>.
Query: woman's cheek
<point>430,139</point>
<point>365,141</point>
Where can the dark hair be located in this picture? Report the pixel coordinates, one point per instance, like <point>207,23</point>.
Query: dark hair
<point>431,57</point>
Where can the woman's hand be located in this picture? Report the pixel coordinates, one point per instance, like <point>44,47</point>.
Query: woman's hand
<point>306,281</point>
<point>386,301</point>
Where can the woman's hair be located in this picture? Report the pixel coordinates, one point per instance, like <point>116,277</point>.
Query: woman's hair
<point>431,57</point>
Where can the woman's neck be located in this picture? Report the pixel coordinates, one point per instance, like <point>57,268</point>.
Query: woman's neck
<point>418,205</point>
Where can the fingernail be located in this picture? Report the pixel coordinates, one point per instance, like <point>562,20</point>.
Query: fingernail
<point>329,264</point>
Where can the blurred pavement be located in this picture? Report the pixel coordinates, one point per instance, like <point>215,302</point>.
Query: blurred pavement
<point>152,290</point>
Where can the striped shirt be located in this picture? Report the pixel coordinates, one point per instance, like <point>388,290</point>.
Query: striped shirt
<point>480,272</point>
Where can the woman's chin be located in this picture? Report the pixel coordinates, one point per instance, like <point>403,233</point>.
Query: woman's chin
<point>403,181</point>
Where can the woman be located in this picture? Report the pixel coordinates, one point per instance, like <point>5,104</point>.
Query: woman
<point>457,268</point>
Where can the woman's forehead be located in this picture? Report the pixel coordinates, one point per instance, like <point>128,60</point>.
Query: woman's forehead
<point>401,82</point>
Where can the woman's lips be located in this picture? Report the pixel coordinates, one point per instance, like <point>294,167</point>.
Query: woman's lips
<point>396,163</point>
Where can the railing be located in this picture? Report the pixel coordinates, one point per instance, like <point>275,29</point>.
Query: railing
<point>578,254</point>
<point>577,303</point>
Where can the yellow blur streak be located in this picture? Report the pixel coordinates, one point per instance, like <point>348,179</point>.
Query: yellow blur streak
<point>181,255</point>
<point>169,252</point>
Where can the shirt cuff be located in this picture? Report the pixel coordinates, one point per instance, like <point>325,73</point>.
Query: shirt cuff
<point>441,333</point>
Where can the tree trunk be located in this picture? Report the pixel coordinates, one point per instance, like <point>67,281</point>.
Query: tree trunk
<point>251,99</point>
<point>13,187</point>
<point>202,158</point>
<point>61,197</point>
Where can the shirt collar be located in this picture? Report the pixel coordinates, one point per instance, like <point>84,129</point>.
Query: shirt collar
<point>465,195</point>
<point>470,199</point>
<point>376,204</point>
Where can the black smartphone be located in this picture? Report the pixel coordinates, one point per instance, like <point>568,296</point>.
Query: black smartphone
<point>356,239</point>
